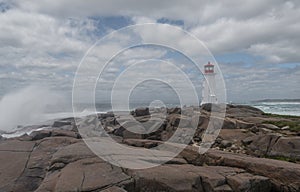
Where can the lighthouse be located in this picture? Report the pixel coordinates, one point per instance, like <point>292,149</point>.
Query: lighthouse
<point>209,84</point>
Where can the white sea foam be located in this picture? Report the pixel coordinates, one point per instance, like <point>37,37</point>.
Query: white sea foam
<point>281,108</point>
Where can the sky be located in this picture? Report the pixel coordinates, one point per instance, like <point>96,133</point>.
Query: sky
<point>255,43</point>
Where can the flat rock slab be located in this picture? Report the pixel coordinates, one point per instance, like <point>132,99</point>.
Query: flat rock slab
<point>193,178</point>
<point>90,174</point>
<point>14,156</point>
<point>234,134</point>
<point>16,145</point>
<point>72,153</point>
<point>12,165</point>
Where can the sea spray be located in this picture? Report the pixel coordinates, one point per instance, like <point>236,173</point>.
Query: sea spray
<point>26,106</point>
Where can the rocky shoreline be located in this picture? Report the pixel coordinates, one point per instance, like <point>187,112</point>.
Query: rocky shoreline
<point>253,152</point>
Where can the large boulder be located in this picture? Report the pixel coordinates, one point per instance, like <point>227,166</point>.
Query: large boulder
<point>248,182</point>
<point>262,144</point>
<point>142,111</point>
<point>286,147</point>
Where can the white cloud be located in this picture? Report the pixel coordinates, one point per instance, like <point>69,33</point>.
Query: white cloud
<point>45,40</point>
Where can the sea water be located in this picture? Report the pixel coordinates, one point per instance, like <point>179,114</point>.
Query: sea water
<point>281,108</point>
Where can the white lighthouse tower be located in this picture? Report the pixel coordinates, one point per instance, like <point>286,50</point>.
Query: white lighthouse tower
<point>209,84</point>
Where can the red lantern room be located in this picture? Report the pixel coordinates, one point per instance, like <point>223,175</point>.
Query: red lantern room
<point>209,68</point>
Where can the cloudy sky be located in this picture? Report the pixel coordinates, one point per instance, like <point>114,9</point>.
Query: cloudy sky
<point>256,43</point>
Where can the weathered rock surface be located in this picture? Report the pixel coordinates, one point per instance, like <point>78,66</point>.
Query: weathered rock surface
<point>57,159</point>
<point>196,178</point>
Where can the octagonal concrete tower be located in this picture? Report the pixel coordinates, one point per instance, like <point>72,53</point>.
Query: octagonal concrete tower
<point>209,84</point>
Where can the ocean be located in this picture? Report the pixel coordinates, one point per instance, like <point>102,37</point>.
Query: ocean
<point>281,108</point>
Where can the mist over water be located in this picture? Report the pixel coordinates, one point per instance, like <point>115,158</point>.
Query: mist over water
<point>26,107</point>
